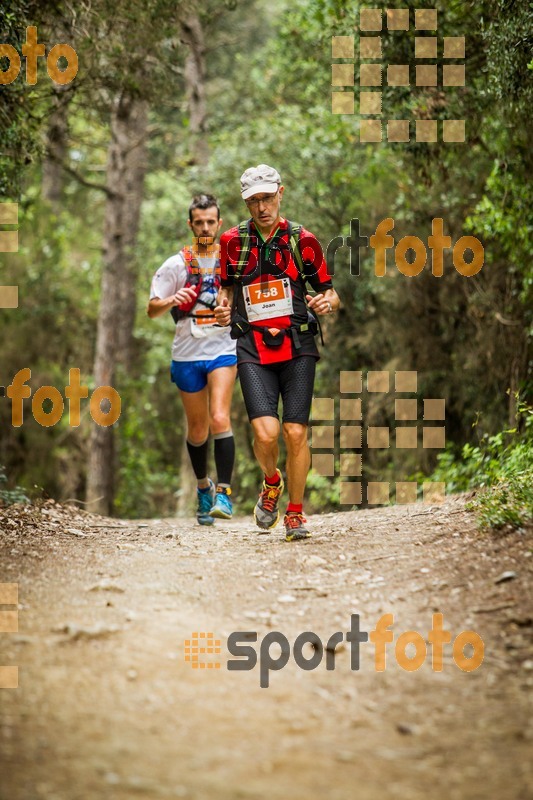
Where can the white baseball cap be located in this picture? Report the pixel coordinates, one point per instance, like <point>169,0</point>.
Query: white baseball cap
<point>259,179</point>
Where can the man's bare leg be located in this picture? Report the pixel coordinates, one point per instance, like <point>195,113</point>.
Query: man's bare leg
<point>298,459</point>
<point>266,449</point>
<point>220,383</point>
<point>266,446</point>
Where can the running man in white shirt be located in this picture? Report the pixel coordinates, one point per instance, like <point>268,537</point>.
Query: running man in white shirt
<point>203,354</point>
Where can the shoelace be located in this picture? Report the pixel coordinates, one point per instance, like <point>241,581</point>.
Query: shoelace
<point>269,497</point>
<point>294,520</point>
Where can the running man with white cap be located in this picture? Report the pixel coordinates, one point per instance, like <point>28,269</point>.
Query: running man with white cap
<point>266,263</point>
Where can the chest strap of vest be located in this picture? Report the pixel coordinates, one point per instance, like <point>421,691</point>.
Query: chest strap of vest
<point>245,248</point>
<point>245,241</point>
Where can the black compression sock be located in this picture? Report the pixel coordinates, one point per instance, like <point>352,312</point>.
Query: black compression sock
<point>198,456</point>
<point>224,456</point>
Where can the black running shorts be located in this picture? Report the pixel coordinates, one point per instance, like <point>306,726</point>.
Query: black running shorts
<point>262,385</point>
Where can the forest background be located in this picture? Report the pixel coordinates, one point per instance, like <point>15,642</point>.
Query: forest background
<point>175,98</point>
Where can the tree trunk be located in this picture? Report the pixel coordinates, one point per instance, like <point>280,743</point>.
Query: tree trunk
<point>193,36</point>
<point>126,168</point>
<point>56,145</point>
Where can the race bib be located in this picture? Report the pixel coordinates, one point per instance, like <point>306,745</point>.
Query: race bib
<point>204,324</point>
<point>267,300</point>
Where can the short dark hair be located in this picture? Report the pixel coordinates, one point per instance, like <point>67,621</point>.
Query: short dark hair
<point>203,201</point>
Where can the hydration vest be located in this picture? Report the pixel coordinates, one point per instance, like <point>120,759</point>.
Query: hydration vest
<point>195,280</point>
<point>240,325</point>
<point>294,230</point>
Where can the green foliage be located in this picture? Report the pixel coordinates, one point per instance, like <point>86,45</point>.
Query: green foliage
<point>10,496</point>
<point>501,466</point>
<point>509,43</point>
<point>509,503</point>
<point>52,331</point>
<point>322,492</point>
<point>18,126</point>
<point>151,435</point>
<point>502,218</point>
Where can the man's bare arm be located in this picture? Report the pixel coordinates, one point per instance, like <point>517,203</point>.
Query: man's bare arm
<point>157,307</point>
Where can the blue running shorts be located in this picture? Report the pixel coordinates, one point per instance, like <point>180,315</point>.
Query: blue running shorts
<point>191,376</point>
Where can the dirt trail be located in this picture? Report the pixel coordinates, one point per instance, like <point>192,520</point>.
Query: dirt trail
<point>107,706</point>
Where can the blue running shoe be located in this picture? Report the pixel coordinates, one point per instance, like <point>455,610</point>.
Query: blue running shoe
<point>206,498</point>
<point>223,507</point>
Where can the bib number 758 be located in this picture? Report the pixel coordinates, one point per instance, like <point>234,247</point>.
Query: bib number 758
<point>262,294</point>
